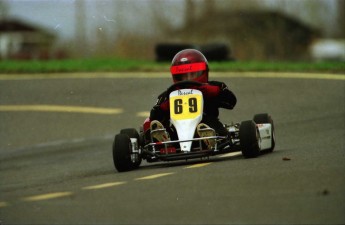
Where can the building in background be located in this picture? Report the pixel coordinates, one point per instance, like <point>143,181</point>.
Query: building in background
<point>20,40</point>
<point>251,35</point>
<point>132,29</point>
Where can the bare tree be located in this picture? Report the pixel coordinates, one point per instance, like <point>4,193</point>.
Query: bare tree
<point>340,32</point>
<point>209,7</point>
<point>3,10</point>
<point>189,12</point>
<point>80,28</point>
<point>161,21</point>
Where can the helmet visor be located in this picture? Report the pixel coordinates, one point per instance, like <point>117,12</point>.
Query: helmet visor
<point>188,71</point>
<point>187,76</point>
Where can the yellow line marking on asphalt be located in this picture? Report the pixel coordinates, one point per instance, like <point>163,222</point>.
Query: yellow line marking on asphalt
<point>154,176</point>
<point>61,108</point>
<point>105,185</point>
<point>231,154</point>
<point>47,196</point>
<point>3,204</point>
<point>144,114</point>
<point>145,75</point>
<point>197,165</point>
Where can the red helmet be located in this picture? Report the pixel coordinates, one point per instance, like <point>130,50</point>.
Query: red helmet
<point>189,64</point>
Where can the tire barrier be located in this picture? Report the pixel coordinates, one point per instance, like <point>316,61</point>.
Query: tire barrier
<point>166,52</point>
<point>213,52</point>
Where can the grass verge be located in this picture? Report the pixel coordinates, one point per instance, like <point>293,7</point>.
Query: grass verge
<point>126,65</point>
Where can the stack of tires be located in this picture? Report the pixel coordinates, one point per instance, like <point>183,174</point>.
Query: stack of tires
<point>213,52</point>
<point>166,52</point>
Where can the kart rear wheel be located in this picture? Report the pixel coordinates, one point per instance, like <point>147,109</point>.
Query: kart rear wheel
<point>122,147</point>
<point>249,139</point>
<point>133,133</point>
<point>266,118</point>
<point>130,132</point>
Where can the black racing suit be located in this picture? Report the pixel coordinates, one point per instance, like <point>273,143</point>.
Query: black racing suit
<point>216,95</point>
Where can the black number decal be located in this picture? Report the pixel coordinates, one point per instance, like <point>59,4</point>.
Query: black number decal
<point>193,107</point>
<point>178,106</point>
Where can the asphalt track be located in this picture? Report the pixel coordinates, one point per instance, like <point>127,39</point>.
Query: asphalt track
<point>56,167</point>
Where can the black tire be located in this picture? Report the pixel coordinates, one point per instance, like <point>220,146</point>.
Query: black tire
<point>130,132</point>
<point>249,137</point>
<point>122,153</point>
<point>266,118</point>
<point>216,52</point>
<point>133,133</point>
<point>167,51</point>
<point>263,118</point>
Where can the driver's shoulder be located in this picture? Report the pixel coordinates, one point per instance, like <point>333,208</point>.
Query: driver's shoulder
<point>163,95</point>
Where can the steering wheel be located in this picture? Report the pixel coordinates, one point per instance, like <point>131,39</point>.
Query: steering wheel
<point>183,84</point>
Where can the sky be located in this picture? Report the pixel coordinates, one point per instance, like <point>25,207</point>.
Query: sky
<point>53,15</point>
<point>59,16</point>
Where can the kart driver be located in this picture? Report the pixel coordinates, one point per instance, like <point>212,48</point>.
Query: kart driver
<point>190,64</point>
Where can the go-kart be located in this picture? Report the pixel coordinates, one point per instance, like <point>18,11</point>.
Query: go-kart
<point>250,137</point>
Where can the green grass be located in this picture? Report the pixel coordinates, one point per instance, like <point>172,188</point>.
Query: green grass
<point>77,65</point>
<point>331,67</point>
<point>126,65</point>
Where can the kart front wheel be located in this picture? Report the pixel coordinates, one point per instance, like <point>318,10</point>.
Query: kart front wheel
<point>249,139</point>
<point>266,118</point>
<point>122,153</point>
<point>133,133</point>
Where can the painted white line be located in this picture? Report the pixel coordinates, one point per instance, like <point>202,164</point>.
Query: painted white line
<point>47,196</point>
<point>144,114</point>
<point>105,185</point>
<point>231,154</point>
<point>61,108</point>
<point>3,204</point>
<point>197,165</point>
<point>53,144</point>
<point>154,176</point>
